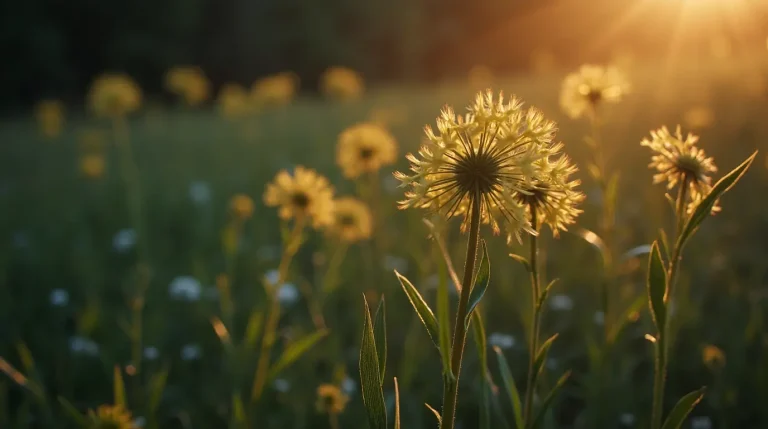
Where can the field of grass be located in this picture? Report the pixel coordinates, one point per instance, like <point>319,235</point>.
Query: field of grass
<point>69,274</point>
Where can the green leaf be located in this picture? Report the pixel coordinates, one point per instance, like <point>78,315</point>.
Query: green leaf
<point>522,260</point>
<point>397,405</point>
<point>657,287</point>
<point>422,309</point>
<point>238,411</point>
<point>370,382</point>
<point>539,420</point>
<point>545,293</point>
<point>156,388</point>
<point>443,319</point>
<point>541,355</point>
<point>481,343</point>
<point>481,283</point>
<point>664,243</point>
<point>683,408</point>
<point>72,412</point>
<point>437,415</point>
<point>294,351</point>
<point>380,335</point>
<point>511,388</point>
<point>253,329</point>
<point>703,210</point>
<point>119,388</point>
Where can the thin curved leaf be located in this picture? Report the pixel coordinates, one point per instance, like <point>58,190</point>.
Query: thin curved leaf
<point>370,383</point>
<point>397,405</point>
<point>380,335</point>
<point>539,420</point>
<point>704,208</point>
<point>511,388</point>
<point>119,388</point>
<point>481,283</point>
<point>541,355</point>
<point>657,287</point>
<point>294,351</point>
<point>422,309</point>
<point>434,411</point>
<point>683,407</point>
<point>522,260</point>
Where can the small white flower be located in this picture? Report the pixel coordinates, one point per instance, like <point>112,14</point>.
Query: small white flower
<point>272,277</point>
<point>701,422</point>
<point>282,385</point>
<point>288,294</point>
<point>638,251</point>
<point>200,192</point>
<point>59,297</point>
<point>348,386</point>
<point>140,422</point>
<point>124,240</point>
<point>185,288</point>
<point>599,318</point>
<point>84,346</point>
<point>561,302</point>
<point>395,263</point>
<point>151,353</point>
<point>191,352</point>
<point>627,419</point>
<point>502,341</point>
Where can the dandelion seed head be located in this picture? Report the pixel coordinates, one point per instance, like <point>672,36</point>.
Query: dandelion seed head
<point>365,148</point>
<point>591,86</point>
<point>352,220</point>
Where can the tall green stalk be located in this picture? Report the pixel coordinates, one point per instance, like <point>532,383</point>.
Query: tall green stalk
<point>533,340</point>
<point>451,383</point>
<point>662,339</point>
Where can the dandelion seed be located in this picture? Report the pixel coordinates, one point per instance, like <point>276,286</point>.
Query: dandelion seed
<point>561,302</point>
<point>678,161</point>
<point>59,298</point>
<point>590,87</point>
<point>303,195</point>
<point>50,117</point>
<point>288,294</point>
<point>503,341</point>
<point>151,353</point>
<point>282,385</point>
<point>701,422</point>
<point>485,157</point>
<point>84,346</point>
<point>189,83</point>
<point>352,220</point>
<point>191,352</point>
<point>341,84</point>
<point>200,192</point>
<point>330,399</point>
<point>185,288</point>
<point>124,240</point>
<point>365,148</point>
<point>114,95</point>
<point>110,416</point>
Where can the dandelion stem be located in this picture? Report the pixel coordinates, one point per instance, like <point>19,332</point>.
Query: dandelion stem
<point>451,385</point>
<point>291,247</point>
<point>662,341</point>
<point>535,321</point>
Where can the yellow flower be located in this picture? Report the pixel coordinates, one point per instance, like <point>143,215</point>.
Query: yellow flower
<point>114,95</point>
<point>551,194</point>
<point>305,195</point>
<point>352,220</point>
<point>110,417</point>
<point>189,83</point>
<point>678,160</point>
<point>92,165</point>
<point>233,101</point>
<point>485,157</point>
<point>241,206</point>
<point>364,148</point>
<point>585,90</point>
<point>50,117</point>
<point>330,399</point>
<point>275,90</point>
<point>713,357</point>
<point>341,83</point>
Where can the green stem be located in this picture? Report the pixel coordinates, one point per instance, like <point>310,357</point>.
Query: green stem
<point>662,340</point>
<point>606,222</point>
<point>270,328</point>
<point>451,384</point>
<point>530,390</point>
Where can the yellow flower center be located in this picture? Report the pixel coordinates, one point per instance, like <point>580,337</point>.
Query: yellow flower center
<point>366,153</point>
<point>300,200</point>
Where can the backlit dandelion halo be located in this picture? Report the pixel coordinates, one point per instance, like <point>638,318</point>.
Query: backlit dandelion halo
<point>364,148</point>
<point>352,220</point>
<point>678,160</point>
<point>485,157</point>
<point>591,86</point>
<point>305,195</point>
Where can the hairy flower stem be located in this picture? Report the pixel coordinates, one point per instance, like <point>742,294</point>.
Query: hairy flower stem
<point>535,321</point>
<point>451,384</point>
<point>662,339</point>
<point>270,328</point>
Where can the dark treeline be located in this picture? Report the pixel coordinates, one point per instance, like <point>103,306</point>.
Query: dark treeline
<point>53,48</point>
